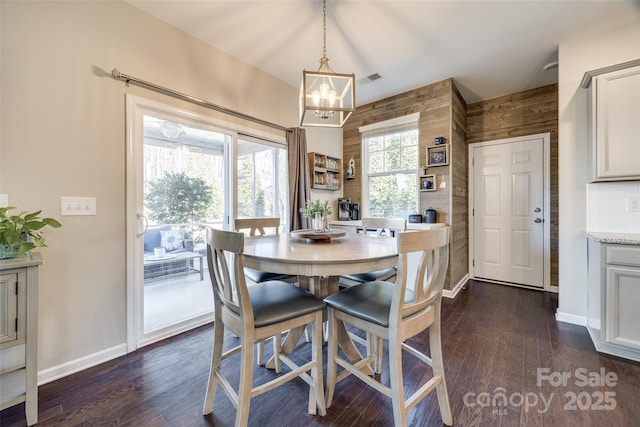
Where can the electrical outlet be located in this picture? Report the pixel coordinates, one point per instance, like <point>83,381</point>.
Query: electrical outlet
<point>633,204</point>
<point>77,206</point>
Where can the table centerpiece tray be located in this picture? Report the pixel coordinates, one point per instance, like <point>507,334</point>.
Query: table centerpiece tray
<point>318,235</point>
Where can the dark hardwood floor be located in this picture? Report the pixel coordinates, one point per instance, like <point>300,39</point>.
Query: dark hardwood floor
<point>495,338</point>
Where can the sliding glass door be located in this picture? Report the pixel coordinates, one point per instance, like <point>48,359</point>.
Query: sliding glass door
<point>262,179</point>
<point>185,172</point>
<point>183,192</point>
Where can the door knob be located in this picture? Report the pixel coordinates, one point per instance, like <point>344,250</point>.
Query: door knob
<point>538,220</point>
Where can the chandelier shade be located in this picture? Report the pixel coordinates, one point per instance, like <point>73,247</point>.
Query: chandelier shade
<point>327,99</point>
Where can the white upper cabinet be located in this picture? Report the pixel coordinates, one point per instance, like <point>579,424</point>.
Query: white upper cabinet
<point>614,122</point>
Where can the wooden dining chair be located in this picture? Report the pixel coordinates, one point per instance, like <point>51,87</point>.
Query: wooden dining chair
<point>379,227</point>
<point>259,227</point>
<point>255,313</point>
<point>396,313</point>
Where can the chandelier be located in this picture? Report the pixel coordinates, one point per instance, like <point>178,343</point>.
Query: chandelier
<point>327,99</point>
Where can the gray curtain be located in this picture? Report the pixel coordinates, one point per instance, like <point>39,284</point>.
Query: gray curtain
<point>299,181</point>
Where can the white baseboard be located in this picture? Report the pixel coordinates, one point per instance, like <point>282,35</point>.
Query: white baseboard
<point>571,318</point>
<point>453,292</point>
<point>51,374</point>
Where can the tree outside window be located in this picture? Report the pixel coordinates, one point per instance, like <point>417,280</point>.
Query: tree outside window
<point>392,161</point>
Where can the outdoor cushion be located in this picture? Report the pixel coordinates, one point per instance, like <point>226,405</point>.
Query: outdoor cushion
<point>171,239</point>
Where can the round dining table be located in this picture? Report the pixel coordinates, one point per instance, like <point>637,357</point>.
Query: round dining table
<point>322,262</point>
<point>319,263</point>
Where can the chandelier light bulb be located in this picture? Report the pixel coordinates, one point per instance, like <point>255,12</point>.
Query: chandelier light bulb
<point>324,91</point>
<point>316,98</point>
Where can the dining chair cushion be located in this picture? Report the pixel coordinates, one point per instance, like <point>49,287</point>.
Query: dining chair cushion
<point>355,279</point>
<point>369,301</point>
<point>258,276</point>
<point>274,302</point>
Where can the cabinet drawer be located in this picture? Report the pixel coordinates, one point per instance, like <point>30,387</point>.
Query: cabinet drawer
<point>623,255</point>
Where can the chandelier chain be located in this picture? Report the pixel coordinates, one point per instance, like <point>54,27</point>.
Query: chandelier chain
<point>324,28</point>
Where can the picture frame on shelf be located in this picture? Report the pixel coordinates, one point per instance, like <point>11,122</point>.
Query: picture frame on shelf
<point>437,155</point>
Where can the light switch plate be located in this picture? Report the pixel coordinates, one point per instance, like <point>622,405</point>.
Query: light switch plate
<point>4,200</point>
<point>77,206</point>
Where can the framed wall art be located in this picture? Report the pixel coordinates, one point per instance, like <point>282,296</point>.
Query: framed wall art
<point>438,155</point>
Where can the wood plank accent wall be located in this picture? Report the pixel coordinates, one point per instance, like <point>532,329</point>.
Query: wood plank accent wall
<point>442,113</point>
<point>519,114</point>
<point>459,150</point>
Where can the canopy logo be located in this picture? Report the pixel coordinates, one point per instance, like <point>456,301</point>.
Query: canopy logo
<point>596,400</point>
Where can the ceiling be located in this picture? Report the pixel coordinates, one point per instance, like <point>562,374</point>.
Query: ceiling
<point>490,48</point>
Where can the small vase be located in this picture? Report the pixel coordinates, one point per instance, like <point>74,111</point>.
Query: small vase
<point>9,251</point>
<point>318,222</point>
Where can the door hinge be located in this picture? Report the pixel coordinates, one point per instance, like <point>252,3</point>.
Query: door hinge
<point>16,325</point>
<point>16,288</point>
<point>473,262</point>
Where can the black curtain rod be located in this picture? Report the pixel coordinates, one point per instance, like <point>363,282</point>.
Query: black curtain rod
<point>130,79</point>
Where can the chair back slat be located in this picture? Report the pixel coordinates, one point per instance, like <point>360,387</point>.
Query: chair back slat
<point>433,249</point>
<point>224,257</point>
<point>257,225</point>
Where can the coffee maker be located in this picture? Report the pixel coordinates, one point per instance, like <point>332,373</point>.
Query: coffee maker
<point>344,209</point>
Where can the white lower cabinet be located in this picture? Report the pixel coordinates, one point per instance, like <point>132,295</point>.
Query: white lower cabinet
<point>614,298</point>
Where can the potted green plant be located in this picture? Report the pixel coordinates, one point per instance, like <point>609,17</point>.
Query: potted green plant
<point>318,211</point>
<point>22,232</point>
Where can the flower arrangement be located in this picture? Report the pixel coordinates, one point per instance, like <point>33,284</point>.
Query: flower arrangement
<point>22,232</point>
<point>316,206</point>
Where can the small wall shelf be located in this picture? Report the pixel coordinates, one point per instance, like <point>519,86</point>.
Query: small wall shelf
<point>427,182</point>
<point>325,172</point>
<point>438,155</point>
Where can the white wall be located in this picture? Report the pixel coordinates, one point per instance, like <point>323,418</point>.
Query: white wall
<point>63,134</point>
<point>584,52</point>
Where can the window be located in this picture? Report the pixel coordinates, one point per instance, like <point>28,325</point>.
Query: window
<point>262,179</point>
<point>390,159</point>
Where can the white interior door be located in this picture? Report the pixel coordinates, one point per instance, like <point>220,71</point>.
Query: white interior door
<point>510,211</point>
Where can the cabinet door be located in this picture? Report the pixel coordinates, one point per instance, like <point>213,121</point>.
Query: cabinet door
<point>622,302</point>
<point>617,109</point>
<point>8,307</point>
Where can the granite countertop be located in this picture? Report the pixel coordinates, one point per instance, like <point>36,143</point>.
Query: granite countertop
<point>619,238</point>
